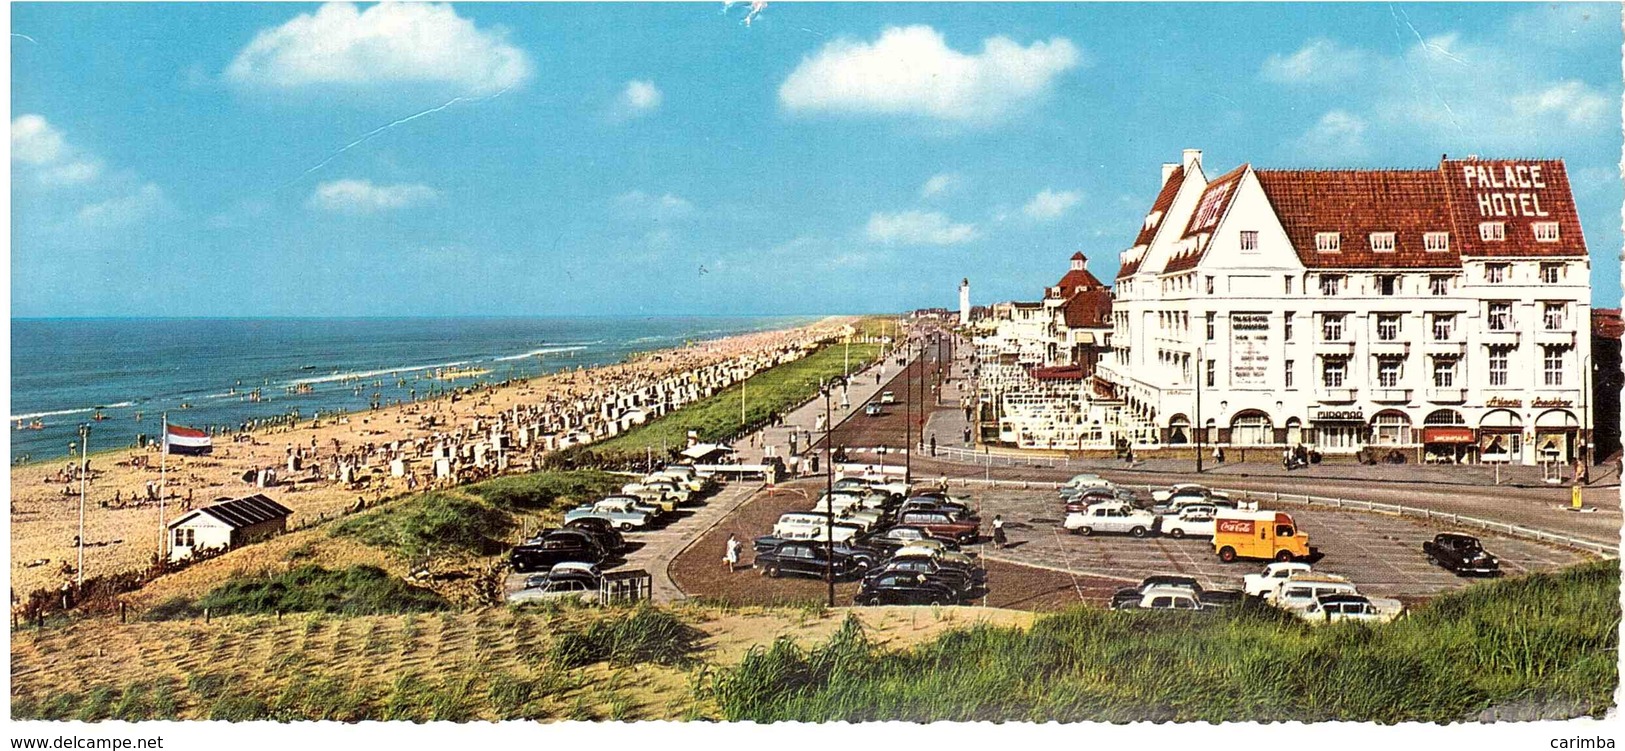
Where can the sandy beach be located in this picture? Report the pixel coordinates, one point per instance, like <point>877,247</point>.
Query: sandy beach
<point>122,527</point>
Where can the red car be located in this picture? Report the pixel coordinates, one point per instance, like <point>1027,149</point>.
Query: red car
<point>942,523</point>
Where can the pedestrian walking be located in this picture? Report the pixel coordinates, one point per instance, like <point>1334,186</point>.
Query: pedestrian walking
<point>730,553</point>
<point>967,435</point>
<point>933,444</point>
<point>998,532</point>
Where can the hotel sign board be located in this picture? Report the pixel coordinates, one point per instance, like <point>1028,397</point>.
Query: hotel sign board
<point>1503,190</point>
<point>1249,349</point>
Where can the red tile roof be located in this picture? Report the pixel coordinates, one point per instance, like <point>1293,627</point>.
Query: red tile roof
<point>1090,309</point>
<point>1357,203</point>
<point>1075,281</point>
<point>1519,193</point>
<point>1159,207</point>
<point>1606,323</point>
<point>1210,209</point>
<point>1058,373</point>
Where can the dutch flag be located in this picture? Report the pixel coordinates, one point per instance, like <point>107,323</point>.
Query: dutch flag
<point>179,440</point>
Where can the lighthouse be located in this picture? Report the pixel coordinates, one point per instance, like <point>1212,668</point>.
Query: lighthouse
<point>964,302</point>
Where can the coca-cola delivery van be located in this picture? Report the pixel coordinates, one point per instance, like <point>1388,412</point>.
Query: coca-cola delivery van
<point>1258,534</point>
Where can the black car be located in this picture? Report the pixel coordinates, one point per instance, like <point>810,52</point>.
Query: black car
<point>555,546</point>
<point>905,589</point>
<point>1461,554</point>
<point>609,538</point>
<point>931,503</point>
<point>961,579</point>
<point>862,555</point>
<point>807,558</point>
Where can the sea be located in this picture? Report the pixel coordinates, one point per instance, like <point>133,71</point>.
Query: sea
<point>203,372</point>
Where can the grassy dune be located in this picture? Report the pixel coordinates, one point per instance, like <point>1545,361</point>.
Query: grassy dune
<point>1548,641</point>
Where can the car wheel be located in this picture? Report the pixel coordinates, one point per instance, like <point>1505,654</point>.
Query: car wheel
<point>875,602</point>
<point>1283,556</point>
<point>1177,534</point>
<point>624,526</point>
<point>936,603</point>
<point>1227,554</point>
<point>1085,531</point>
<point>772,572</point>
<point>1137,532</point>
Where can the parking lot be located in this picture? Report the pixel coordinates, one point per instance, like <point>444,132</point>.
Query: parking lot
<point>1381,554</point>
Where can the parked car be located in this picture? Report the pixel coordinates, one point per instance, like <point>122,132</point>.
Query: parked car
<point>1461,554</point>
<point>1347,607</point>
<point>899,535</point>
<point>1193,520</point>
<point>608,538</point>
<point>807,558</point>
<point>1088,480</point>
<point>1271,535</point>
<point>867,557</point>
<point>1111,517</point>
<point>934,549</point>
<point>1080,501</point>
<point>565,581</point>
<point>1161,496</point>
<point>887,397</point>
<point>1297,592</point>
<point>963,580</point>
<point>1166,598</point>
<point>651,501</point>
<point>1131,596</point>
<point>1274,574</point>
<point>943,523</point>
<point>553,547</point>
<point>1180,500</point>
<point>873,410</point>
<point>922,503</point>
<point>806,525</point>
<point>619,512</point>
<point>905,589</point>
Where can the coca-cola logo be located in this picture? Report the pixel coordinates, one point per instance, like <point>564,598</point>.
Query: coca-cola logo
<point>1236,526</point>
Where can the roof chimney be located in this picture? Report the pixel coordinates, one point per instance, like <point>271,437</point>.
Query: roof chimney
<point>1193,157</point>
<point>1168,171</point>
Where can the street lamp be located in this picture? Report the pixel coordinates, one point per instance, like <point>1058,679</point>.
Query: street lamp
<point>1586,431</point>
<point>829,492</point>
<point>908,413</point>
<point>1201,427</point>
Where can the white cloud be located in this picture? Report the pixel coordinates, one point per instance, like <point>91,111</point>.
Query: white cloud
<point>362,197</point>
<point>1337,137</point>
<point>46,156</point>
<point>1569,101</point>
<point>641,97</point>
<point>124,209</point>
<point>917,228</point>
<point>659,208</point>
<point>941,183</point>
<point>1319,61</point>
<point>386,44</point>
<point>912,71</point>
<point>1051,204</point>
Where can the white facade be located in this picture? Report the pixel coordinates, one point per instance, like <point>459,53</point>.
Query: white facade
<point>1477,359</point>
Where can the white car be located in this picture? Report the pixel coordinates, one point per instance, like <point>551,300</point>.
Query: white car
<point>1258,585</point>
<point>1162,496</point>
<point>1192,520</point>
<point>1358,608</point>
<point>1088,480</point>
<point>803,525</point>
<point>934,550</point>
<point>1111,517</point>
<point>1299,592</point>
<point>850,514</point>
<point>1168,598</point>
<point>565,581</point>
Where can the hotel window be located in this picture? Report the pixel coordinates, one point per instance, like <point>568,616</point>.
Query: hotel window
<point>1552,365</point>
<point>1332,372</point>
<point>1388,372</point>
<point>1444,327</point>
<point>1492,231</point>
<point>1500,316</point>
<point>1249,240</point>
<point>1211,368</point>
<point>1286,282</point>
<point>1328,242</point>
<point>1286,326</point>
<point>1382,242</point>
<point>1552,316</point>
<point>1331,327</point>
<point>1387,327</point>
<point>1209,285</point>
<point>1495,273</point>
<point>1444,372</point>
<point>1546,232</point>
<point>1391,429</point>
<point>1439,285</point>
<point>1387,285</point>
<point>1287,369</point>
<point>1436,242</point>
<point>1551,273</point>
<point>1330,284</point>
<point>1498,365</point>
<point>1211,324</point>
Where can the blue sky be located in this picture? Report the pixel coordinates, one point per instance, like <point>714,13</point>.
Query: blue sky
<point>484,159</point>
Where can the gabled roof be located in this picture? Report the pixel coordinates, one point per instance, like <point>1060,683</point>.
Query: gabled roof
<point>1148,228</point>
<point>1089,309</point>
<point>241,512</point>
<point>1518,192</point>
<point>1210,210</point>
<point>1358,203</point>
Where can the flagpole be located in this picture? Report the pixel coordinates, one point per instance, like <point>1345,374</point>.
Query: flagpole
<point>84,480</point>
<point>163,470</point>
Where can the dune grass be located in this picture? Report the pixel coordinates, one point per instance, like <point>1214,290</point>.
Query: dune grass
<point>1547,640</point>
<point>357,590</point>
<point>540,491</point>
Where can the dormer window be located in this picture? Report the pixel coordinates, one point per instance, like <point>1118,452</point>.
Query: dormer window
<point>1249,240</point>
<point>1328,242</point>
<point>1152,219</point>
<point>1546,232</point>
<point>1436,242</point>
<point>1492,231</point>
<point>1382,242</point>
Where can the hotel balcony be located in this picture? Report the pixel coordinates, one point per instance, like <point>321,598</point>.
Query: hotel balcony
<point>1390,348</point>
<point>1447,396</point>
<point>1391,396</point>
<point>1335,395</point>
<point>1509,338</point>
<point>1447,348</point>
<point>1334,348</point>
<point>1561,338</point>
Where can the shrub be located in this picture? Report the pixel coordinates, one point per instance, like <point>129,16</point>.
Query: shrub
<point>357,590</point>
<point>648,635</point>
<point>546,490</point>
<point>431,524</point>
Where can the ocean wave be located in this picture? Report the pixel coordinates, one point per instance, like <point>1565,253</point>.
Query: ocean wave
<point>370,373</point>
<point>56,413</point>
<point>542,351</point>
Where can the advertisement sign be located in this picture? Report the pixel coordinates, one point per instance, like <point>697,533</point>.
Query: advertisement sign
<point>1447,435</point>
<point>1236,526</point>
<point>1249,349</point>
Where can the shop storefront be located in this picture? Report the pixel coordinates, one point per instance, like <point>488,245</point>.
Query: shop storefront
<point>1340,431</point>
<point>1557,435</point>
<point>1500,437</point>
<point>1447,439</point>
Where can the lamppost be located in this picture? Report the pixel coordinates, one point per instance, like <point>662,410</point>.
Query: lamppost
<point>1589,435</point>
<point>84,477</point>
<point>908,413</point>
<point>829,492</point>
<point>1200,427</point>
